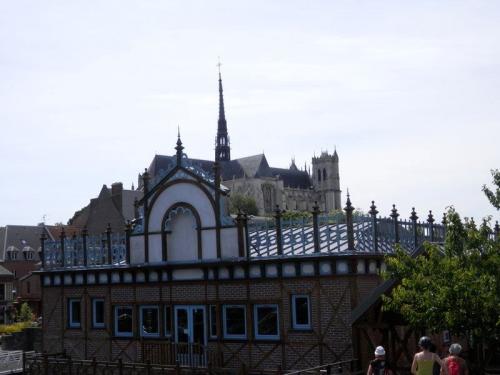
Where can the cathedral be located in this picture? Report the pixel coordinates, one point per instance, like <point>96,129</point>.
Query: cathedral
<point>290,188</point>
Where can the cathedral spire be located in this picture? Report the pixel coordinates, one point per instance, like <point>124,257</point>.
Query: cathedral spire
<point>222,149</point>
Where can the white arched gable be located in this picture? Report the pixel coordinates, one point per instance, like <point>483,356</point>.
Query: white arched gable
<point>181,192</point>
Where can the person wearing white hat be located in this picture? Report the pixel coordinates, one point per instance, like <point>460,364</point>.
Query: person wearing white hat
<point>379,365</point>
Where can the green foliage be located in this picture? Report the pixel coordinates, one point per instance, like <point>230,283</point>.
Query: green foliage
<point>243,203</point>
<point>8,329</point>
<point>25,313</point>
<point>494,196</point>
<point>456,287</point>
<point>296,215</point>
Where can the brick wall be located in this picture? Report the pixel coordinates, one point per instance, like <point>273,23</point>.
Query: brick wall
<point>329,339</point>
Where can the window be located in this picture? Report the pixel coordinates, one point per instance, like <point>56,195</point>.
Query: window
<point>319,174</point>
<point>98,313</point>
<point>168,321</point>
<point>234,319</point>
<point>301,312</point>
<point>213,321</point>
<point>324,174</point>
<point>123,321</point>
<point>2,292</point>
<point>266,322</point>
<point>74,313</point>
<point>150,322</point>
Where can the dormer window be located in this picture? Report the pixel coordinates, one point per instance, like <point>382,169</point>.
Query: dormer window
<point>12,253</point>
<point>29,253</point>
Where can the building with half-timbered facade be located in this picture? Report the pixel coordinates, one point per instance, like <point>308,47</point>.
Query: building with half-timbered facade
<point>189,283</point>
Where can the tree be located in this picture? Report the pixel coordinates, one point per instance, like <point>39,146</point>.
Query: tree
<point>239,202</point>
<point>494,197</point>
<point>453,287</point>
<point>25,313</point>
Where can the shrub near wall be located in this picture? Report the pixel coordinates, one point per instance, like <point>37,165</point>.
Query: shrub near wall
<point>9,329</point>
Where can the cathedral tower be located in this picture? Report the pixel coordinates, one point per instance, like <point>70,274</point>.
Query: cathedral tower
<point>222,149</point>
<point>326,181</point>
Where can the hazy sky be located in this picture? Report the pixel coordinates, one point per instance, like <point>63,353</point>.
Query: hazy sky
<point>407,91</point>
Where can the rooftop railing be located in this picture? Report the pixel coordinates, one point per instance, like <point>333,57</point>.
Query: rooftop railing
<point>316,234</point>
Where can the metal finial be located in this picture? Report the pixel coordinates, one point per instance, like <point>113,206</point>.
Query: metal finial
<point>394,212</point>
<point>413,216</point>
<point>430,218</point>
<point>444,221</point>
<point>373,209</point>
<point>348,205</point>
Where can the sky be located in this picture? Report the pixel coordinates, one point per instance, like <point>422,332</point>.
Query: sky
<point>408,92</point>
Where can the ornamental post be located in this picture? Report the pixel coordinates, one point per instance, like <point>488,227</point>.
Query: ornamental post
<point>62,237</point>
<point>145,223</point>
<point>430,220</point>
<point>85,233</point>
<point>373,213</point>
<point>43,238</point>
<point>277,217</point>
<point>108,240</point>
<point>414,219</point>
<point>395,215</point>
<point>245,226</point>
<point>315,213</point>
<point>128,231</point>
<point>348,220</point>
<point>241,233</point>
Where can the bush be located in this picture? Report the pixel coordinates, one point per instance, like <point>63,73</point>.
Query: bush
<point>8,329</point>
<point>25,313</point>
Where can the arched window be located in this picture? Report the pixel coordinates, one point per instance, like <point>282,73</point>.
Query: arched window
<point>319,174</point>
<point>182,229</point>
<point>324,174</point>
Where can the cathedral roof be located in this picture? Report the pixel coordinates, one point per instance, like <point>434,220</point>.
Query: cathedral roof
<point>255,166</point>
<point>293,178</point>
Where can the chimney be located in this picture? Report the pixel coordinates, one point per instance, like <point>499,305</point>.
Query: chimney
<point>116,194</point>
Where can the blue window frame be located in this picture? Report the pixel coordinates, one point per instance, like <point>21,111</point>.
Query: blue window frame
<point>150,321</point>
<point>266,322</point>
<point>124,321</point>
<point>74,313</point>
<point>98,313</point>
<point>301,312</point>
<point>234,319</point>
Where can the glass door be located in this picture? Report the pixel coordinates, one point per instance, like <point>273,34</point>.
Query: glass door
<point>190,335</point>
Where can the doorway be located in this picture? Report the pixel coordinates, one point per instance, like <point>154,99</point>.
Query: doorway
<point>190,335</point>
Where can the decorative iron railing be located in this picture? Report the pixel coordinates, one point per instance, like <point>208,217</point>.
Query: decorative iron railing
<point>342,233</point>
<point>85,251</point>
<point>339,233</point>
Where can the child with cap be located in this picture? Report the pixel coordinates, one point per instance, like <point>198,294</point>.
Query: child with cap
<point>379,365</point>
